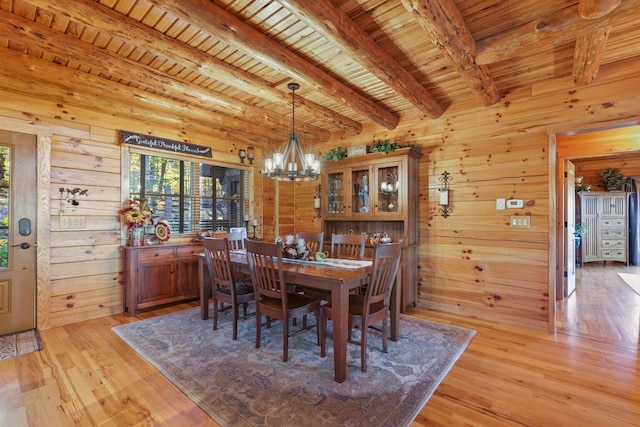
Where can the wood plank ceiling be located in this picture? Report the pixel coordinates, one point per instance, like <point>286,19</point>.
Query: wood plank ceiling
<point>225,64</point>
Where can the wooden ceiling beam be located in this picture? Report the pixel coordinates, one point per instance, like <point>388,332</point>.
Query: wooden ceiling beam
<point>26,75</point>
<point>594,9</point>
<point>239,116</point>
<point>446,28</point>
<point>108,21</point>
<point>334,25</point>
<point>588,53</point>
<point>590,47</point>
<point>233,31</point>
<point>546,31</point>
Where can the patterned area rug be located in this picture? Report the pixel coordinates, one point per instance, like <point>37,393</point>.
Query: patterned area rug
<point>18,344</point>
<point>239,385</point>
<point>633,280</point>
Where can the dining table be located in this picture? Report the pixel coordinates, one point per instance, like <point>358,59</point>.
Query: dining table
<point>328,276</point>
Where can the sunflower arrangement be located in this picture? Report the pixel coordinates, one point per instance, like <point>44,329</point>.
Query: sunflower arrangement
<point>136,213</point>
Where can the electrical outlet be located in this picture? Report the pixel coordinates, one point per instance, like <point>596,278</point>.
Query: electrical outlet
<point>72,222</point>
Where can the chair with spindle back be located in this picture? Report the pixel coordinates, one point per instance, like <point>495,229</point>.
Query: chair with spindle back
<point>347,245</point>
<point>272,297</point>
<point>313,241</point>
<point>227,285</point>
<point>372,307</point>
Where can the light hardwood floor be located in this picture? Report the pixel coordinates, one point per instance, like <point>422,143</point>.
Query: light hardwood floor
<point>584,375</point>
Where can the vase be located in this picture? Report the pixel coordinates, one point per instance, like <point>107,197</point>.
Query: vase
<point>137,237</point>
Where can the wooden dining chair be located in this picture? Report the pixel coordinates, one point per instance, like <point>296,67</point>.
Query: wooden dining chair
<point>347,245</point>
<point>372,307</point>
<point>271,295</point>
<point>227,285</point>
<point>236,241</point>
<point>314,241</point>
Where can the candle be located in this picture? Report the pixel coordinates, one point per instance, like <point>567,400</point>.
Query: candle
<point>316,202</point>
<point>444,197</point>
<point>246,218</point>
<point>255,222</point>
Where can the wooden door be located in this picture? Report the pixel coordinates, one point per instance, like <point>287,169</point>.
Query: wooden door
<point>570,216</point>
<point>590,213</point>
<point>17,232</point>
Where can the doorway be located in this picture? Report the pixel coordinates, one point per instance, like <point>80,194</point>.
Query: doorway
<point>18,198</point>
<point>619,141</point>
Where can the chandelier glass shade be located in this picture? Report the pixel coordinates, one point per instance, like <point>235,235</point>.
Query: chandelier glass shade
<point>292,164</point>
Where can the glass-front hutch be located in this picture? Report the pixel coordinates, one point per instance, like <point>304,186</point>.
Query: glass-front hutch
<point>376,194</point>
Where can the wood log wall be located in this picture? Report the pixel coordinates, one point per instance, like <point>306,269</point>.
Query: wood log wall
<point>471,263</point>
<point>80,272</point>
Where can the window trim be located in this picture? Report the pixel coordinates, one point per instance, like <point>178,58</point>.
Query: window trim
<point>125,159</point>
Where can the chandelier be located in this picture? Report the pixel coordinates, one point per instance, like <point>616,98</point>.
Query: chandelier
<point>284,166</point>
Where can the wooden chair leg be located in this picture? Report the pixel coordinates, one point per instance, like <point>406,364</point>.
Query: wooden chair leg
<point>258,327</point>
<point>215,315</point>
<point>234,319</point>
<point>318,325</point>
<point>384,334</point>
<point>322,326</point>
<point>363,347</point>
<point>285,340</point>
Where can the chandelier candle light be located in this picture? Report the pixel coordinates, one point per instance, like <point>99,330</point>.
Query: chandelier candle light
<point>279,169</point>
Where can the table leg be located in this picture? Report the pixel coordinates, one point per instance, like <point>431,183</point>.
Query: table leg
<point>205,288</point>
<point>340,313</point>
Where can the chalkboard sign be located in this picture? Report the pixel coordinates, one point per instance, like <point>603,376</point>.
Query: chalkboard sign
<point>164,144</point>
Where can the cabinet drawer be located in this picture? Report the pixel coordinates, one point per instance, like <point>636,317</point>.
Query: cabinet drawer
<point>613,222</point>
<point>614,244</point>
<point>618,254</point>
<point>155,253</point>
<point>186,251</point>
<point>613,233</point>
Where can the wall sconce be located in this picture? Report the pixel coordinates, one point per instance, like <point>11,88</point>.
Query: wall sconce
<point>316,201</point>
<point>242,154</point>
<point>250,155</point>
<point>445,179</point>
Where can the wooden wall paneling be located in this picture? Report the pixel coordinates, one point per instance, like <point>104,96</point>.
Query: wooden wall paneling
<point>305,214</point>
<point>43,268</point>
<point>518,122</point>
<point>590,168</point>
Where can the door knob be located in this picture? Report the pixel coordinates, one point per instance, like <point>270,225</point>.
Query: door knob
<point>23,245</point>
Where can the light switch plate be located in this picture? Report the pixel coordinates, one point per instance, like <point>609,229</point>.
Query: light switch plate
<point>518,221</point>
<point>500,204</point>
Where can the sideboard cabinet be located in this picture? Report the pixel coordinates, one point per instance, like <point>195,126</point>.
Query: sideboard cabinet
<point>605,216</point>
<point>376,193</point>
<point>160,274</point>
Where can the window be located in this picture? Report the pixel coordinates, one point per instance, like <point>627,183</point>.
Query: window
<point>190,196</point>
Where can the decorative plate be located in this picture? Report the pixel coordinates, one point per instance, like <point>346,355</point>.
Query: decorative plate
<point>163,231</point>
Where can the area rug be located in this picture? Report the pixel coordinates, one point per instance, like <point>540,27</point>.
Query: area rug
<point>239,385</point>
<point>633,280</point>
<point>18,344</point>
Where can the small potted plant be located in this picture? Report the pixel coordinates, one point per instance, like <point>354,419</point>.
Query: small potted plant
<point>611,179</point>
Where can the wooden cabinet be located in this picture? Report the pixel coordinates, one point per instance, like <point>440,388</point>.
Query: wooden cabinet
<point>376,193</point>
<point>605,216</point>
<point>156,275</point>
<point>365,191</point>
